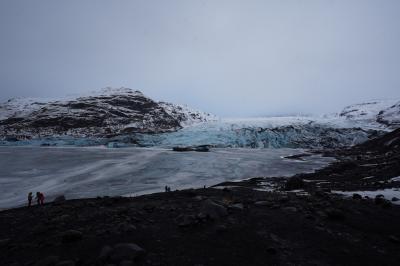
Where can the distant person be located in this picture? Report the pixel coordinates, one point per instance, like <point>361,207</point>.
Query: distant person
<point>30,198</point>
<point>40,198</point>
<point>37,198</point>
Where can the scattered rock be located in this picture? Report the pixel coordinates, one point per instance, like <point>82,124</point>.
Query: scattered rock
<point>394,239</point>
<point>294,183</point>
<point>126,251</point>
<point>201,148</point>
<point>284,199</point>
<point>126,227</point>
<point>261,203</point>
<point>335,214</point>
<point>290,209</point>
<point>61,219</point>
<point>182,149</point>
<point>221,228</point>
<point>213,210</point>
<point>59,199</point>
<point>48,261</point>
<point>238,206</point>
<point>184,220</point>
<point>105,253</point>
<point>357,196</point>
<point>4,242</point>
<point>71,236</point>
<point>272,251</point>
<point>386,204</point>
<point>395,199</point>
<point>66,263</point>
<point>198,198</point>
<point>379,199</point>
<point>126,263</point>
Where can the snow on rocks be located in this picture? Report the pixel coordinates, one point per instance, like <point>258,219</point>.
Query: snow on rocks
<point>388,194</point>
<point>102,113</point>
<point>383,112</point>
<point>390,116</point>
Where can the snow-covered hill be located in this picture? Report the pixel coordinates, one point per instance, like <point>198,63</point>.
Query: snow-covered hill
<point>100,113</point>
<point>383,112</point>
<point>185,115</point>
<point>390,116</point>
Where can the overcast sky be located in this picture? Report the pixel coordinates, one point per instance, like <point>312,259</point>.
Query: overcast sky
<point>232,58</point>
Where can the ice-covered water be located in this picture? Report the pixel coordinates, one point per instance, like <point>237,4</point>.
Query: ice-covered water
<point>90,172</point>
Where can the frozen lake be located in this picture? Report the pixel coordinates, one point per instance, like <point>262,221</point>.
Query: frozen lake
<point>95,171</point>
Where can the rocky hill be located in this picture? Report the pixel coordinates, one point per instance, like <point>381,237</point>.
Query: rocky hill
<point>384,112</point>
<point>102,113</point>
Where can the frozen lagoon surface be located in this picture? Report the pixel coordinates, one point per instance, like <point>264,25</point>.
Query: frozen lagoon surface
<point>93,171</point>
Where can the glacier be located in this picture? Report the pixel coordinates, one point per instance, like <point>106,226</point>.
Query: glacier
<point>274,132</point>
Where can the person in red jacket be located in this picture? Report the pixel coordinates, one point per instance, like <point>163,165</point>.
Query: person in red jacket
<point>40,198</point>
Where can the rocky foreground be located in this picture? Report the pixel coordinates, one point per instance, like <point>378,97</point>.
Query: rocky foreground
<point>203,227</point>
<point>237,225</point>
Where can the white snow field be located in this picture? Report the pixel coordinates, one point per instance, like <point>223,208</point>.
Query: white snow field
<point>93,171</point>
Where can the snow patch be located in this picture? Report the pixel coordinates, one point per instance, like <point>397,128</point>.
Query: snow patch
<point>388,193</point>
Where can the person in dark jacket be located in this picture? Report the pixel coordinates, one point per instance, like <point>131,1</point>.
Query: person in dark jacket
<point>30,198</point>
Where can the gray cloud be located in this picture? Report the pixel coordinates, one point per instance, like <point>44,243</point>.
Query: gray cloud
<point>232,58</point>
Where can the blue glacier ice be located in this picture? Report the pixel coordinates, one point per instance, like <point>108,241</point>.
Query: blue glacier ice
<point>287,132</point>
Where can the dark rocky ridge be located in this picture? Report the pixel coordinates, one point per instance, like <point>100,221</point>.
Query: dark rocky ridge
<point>110,112</point>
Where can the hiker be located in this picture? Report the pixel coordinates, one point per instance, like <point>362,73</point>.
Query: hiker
<point>30,198</point>
<point>166,188</point>
<point>38,198</point>
<point>41,199</point>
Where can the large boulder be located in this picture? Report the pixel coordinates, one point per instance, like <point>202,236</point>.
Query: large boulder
<point>59,199</point>
<point>213,210</point>
<point>126,251</point>
<point>71,236</point>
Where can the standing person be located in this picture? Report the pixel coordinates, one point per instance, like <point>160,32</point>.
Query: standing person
<point>38,198</point>
<point>41,198</point>
<point>30,198</point>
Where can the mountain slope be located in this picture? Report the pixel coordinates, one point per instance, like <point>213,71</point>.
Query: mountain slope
<point>390,116</point>
<point>106,112</point>
<point>384,112</point>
